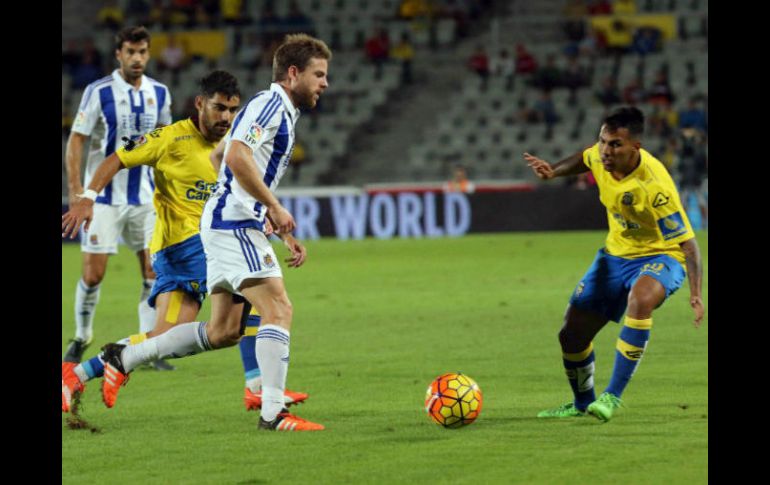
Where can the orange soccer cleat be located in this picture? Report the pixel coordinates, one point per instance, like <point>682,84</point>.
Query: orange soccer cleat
<point>114,374</point>
<point>71,387</point>
<point>289,422</point>
<point>253,401</point>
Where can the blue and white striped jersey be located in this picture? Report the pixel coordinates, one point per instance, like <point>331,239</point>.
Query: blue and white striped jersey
<point>110,110</point>
<point>265,124</point>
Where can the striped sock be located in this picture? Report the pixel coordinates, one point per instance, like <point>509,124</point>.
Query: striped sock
<point>272,349</point>
<point>629,350</point>
<point>181,340</point>
<point>249,353</point>
<point>580,373</point>
<point>94,367</point>
<point>86,299</point>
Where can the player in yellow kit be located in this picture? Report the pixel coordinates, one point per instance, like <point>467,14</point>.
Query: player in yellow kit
<point>650,242</point>
<point>184,179</point>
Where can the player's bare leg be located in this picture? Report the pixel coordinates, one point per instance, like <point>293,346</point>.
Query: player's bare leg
<point>148,316</point>
<point>576,337</point>
<point>645,296</point>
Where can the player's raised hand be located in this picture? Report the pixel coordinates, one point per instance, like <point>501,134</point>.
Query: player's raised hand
<point>81,211</point>
<point>541,168</point>
<point>298,251</point>
<point>283,221</point>
<point>697,307</point>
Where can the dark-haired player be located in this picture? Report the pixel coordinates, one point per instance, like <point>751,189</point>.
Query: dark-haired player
<point>650,242</point>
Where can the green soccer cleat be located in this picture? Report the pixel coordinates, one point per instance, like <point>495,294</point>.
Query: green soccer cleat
<point>603,407</point>
<point>564,411</point>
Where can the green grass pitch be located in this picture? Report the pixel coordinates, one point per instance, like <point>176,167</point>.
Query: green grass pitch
<point>375,322</point>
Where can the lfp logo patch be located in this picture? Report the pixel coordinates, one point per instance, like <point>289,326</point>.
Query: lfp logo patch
<point>672,226</point>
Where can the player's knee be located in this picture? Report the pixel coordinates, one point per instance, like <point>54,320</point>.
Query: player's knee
<point>570,340</point>
<point>642,303</point>
<point>280,313</point>
<point>93,276</point>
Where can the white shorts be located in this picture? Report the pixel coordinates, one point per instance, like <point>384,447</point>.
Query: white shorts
<point>234,255</point>
<point>133,223</point>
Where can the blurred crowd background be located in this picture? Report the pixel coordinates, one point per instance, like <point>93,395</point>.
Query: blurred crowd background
<point>428,90</point>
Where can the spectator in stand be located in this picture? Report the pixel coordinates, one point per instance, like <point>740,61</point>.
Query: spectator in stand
<point>662,121</point>
<point>173,58</point>
<point>249,56</point>
<point>270,24</point>
<point>693,117</point>
<point>70,57</point>
<point>646,41</point>
<point>377,50</point>
<point>479,63</point>
<point>89,68</point>
<point>297,22</point>
<point>232,11</point>
<point>660,91</point>
<point>545,110</point>
<point>619,37</point>
<point>459,182</point>
<point>624,7</point>
<point>504,66</point>
<point>404,52</point>
<point>299,159</point>
<point>158,14</point>
<point>110,15</point>
<point>549,76</point>
<point>575,25</point>
<point>599,7</point>
<point>138,12</point>
<point>409,9</point>
<point>525,62</point>
<point>574,77</point>
<point>609,94</point>
<point>693,171</point>
<point>633,92</point>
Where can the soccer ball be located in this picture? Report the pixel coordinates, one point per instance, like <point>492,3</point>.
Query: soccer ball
<point>453,400</point>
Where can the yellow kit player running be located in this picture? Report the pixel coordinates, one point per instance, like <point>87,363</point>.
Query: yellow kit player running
<point>649,243</point>
<point>184,179</point>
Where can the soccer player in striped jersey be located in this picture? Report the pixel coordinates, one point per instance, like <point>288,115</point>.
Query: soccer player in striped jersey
<point>241,265</point>
<point>184,176</point>
<point>125,104</point>
<point>650,242</point>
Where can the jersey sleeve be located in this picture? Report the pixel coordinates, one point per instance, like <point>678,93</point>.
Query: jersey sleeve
<point>257,125</point>
<point>88,112</point>
<point>670,216</point>
<point>145,150</point>
<point>165,111</point>
<point>588,153</point>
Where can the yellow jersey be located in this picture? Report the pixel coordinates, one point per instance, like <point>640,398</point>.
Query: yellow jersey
<point>184,178</point>
<point>644,213</point>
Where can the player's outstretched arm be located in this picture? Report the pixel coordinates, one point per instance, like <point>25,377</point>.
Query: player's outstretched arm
<point>695,277</point>
<point>572,165</point>
<point>82,208</point>
<point>239,160</point>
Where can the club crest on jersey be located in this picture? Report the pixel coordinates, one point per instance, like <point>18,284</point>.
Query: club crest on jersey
<point>255,132</point>
<point>628,198</point>
<point>93,239</point>
<point>150,102</point>
<point>268,261</point>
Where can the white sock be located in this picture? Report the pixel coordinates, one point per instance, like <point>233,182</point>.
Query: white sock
<point>86,299</point>
<point>254,384</point>
<point>272,349</point>
<point>146,312</point>
<point>181,340</point>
